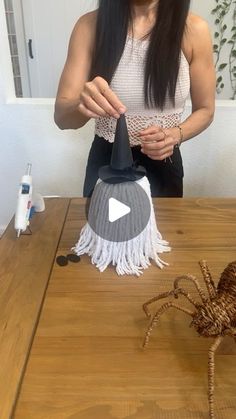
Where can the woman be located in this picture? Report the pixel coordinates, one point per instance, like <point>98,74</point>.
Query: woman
<point>141,58</point>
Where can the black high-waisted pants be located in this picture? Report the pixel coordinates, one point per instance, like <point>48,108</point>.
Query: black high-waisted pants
<point>165,177</point>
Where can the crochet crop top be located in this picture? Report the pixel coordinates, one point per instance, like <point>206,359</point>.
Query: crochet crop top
<point>128,84</point>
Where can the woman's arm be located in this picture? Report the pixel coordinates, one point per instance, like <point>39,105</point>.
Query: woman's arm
<point>77,99</point>
<point>75,74</point>
<point>197,47</point>
<point>202,78</point>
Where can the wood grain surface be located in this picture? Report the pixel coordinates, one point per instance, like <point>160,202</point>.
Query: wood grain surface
<point>25,266</point>
<point>87,360</point>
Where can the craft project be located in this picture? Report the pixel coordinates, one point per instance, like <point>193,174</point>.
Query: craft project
<point>121,228</point>
<point>214,317</point>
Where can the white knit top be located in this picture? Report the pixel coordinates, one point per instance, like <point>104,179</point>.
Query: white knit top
<point>128,84</point>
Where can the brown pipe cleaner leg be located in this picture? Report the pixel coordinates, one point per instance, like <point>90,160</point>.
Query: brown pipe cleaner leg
<point>196,283</point>
<point>208,279</point>
<point>211,374</point>
<point>181,291</point>
<point>156,298</point>
<point>158,314</point>
<point>175,293</point>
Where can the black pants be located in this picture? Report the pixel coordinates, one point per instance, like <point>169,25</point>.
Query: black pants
<point>166,178</point>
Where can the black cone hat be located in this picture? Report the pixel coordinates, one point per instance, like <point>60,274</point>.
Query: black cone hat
<point>122,167</point>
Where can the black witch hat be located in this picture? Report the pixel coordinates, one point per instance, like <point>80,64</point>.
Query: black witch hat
<point>122,167</point>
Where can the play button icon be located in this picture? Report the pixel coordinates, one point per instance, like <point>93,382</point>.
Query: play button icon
<point>117,210</point>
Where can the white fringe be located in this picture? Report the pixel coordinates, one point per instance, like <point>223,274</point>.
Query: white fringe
<point>129,257</point>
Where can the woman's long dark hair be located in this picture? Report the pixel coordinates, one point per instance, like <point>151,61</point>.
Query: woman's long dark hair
<point>163,56</point>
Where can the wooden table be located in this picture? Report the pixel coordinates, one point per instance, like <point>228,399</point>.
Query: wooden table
<point>82,358</point>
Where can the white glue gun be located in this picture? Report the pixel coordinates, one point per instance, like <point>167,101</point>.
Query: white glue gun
<point>27,203</point>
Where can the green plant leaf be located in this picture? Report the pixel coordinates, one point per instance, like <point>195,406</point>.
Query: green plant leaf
<point>222,66</point>
<point>223,41</point>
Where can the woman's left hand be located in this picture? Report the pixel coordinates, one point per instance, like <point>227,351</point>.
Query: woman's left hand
<point>158,143</point>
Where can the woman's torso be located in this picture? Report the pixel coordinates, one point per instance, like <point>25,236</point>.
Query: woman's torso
<point>128,84</point>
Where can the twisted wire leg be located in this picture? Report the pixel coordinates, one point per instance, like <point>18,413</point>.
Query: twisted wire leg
<point>158,314</point>
<point>181,291</point>
<point>152,300</point>
<point>208,279</point>
<point>196,283</point>
<point>176,292</point>
<point>211,374</point>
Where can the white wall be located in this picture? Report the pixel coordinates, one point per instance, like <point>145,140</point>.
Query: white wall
<point>210,158</point>
<point>28,134</point>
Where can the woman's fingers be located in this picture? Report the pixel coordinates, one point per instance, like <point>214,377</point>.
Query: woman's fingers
<point>153,130</point>
<point>157,152</point>
<point>156,143</point>
<point>114,101</point>
<point>107,92</point>
<point>92,92</point>
<point>101,93</point>
<point>87,112</point>
<point>152,134</point>
<point>160,155</point>
<point>90,104</point>
<point>160,136</point>
<point>101,101</point>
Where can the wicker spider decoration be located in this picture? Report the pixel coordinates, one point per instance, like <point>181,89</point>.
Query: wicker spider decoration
<point>214,317</point>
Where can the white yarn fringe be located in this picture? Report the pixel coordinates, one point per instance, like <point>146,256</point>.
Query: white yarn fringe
<point>129,257</point>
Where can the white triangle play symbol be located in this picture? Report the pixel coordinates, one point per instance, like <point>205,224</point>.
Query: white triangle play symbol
<point>117,210</point>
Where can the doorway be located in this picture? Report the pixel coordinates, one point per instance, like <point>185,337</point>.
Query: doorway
<point>43,30</point>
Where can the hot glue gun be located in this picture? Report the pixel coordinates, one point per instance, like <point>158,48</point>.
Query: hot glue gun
<point>27,203</point>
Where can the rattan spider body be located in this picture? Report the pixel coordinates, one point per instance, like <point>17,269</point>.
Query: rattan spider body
<point>214,317</point>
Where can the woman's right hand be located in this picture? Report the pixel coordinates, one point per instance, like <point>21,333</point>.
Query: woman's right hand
<point>98,100</point>
<point>77,99</point>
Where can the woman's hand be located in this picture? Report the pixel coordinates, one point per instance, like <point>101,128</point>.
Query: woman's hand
<point>158,143</point>
<point>97,99</point>
<point>77,99</point>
